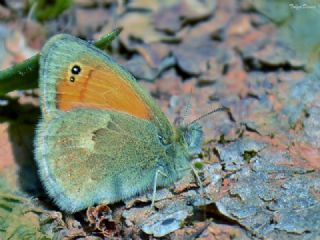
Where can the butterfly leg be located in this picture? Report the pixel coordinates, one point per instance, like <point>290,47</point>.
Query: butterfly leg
<point>198,179</point>
<point>195,172</point>
<point>155,185</point>
<point>196,175</point>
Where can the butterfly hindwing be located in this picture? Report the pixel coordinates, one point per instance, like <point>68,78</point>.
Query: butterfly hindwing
<point>101,156</point>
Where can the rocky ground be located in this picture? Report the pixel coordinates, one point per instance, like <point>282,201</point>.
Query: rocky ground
<point>260,163</point>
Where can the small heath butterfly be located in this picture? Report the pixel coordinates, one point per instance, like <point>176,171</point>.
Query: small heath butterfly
<point>102,138</point>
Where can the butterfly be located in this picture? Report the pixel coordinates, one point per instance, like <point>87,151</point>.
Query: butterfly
<point>102,138</point>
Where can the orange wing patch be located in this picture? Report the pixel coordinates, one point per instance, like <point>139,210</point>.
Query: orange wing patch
<point>101,88</point>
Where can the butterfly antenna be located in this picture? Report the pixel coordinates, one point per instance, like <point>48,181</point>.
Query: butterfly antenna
<point>184,111</point>
<point>225,109</point>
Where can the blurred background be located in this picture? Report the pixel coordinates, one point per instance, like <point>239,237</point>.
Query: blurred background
<point>259,58</point>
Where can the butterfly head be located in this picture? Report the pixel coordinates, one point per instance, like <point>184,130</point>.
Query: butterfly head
<point>191,136</point>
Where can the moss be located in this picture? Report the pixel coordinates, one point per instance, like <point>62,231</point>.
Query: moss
<point>247,155</point>
<point>198,165</point>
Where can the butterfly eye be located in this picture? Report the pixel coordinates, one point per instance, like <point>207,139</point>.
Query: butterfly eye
<point>72,79</point>
<point>193,136</point>
<point>75,69</point>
